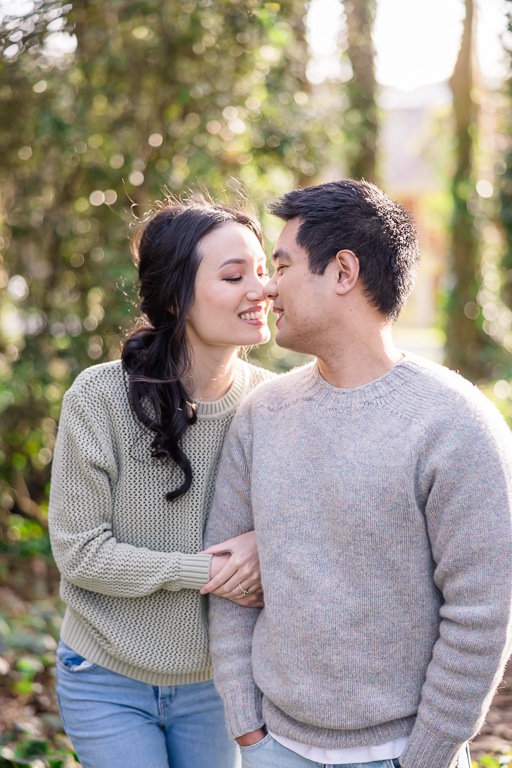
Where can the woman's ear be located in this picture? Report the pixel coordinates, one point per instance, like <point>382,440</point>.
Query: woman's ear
<point>346,270</point>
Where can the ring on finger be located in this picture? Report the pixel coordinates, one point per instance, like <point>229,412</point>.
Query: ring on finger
<point>245,592</point>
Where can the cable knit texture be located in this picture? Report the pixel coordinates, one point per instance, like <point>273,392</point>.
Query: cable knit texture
<point>128,557</point>
<point>383,518</point>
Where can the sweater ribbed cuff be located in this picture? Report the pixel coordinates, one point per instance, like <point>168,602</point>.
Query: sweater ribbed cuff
<point>242,708</point>
<point>194,573</point>
<point>426,749</point>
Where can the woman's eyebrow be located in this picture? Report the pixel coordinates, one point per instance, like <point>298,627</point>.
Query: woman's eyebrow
<point>232,261</point>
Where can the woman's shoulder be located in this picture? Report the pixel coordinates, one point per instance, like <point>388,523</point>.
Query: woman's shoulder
<point>255,374</point>
<point>105,378</point>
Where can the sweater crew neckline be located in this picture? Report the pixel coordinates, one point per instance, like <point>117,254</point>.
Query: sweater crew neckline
<point>230,401</point>
<point>317,387</point>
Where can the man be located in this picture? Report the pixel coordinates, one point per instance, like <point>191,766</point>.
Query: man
<point>380,488</point>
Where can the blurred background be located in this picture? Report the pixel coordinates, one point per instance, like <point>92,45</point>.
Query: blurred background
<point>107,105</point>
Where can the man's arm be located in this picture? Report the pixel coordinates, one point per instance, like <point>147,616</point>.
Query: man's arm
<point>468,514</point>
<point>231,626</point>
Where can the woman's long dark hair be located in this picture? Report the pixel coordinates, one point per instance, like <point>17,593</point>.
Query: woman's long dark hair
<point>157,355</point>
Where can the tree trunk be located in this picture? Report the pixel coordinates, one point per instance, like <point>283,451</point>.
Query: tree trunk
<point>465,339</point>
<point>362,122</point>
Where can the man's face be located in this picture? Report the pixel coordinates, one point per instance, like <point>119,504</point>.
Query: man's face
<point>301,298</point>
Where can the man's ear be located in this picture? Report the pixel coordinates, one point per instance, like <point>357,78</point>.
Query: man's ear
<point>347,271</point>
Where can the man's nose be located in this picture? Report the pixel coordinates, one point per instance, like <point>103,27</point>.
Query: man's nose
<point>270,289</point>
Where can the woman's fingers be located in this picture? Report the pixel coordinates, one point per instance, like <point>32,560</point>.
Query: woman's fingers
<point>245,545</point>
<point>217,549</point>
<point>247,573</point>
<point>242,565</point>
<point>220,576</point>
<point>235,586</point>
<point>254,600</point>
<point>233,572</point>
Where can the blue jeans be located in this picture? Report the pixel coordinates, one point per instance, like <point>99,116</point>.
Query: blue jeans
<point>268,753</point>
<point>116,722</point>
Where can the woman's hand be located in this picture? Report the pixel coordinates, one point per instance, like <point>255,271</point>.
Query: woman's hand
<point>241,567</point>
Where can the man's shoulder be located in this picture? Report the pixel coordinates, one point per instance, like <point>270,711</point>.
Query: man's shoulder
<point>433,380</point>
<point>446,395</point>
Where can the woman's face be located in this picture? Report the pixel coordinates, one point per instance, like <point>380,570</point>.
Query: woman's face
<point>229,307</point>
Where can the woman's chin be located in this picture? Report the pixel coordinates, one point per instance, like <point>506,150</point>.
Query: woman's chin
<point>256,337</point>
<point>263,336</point>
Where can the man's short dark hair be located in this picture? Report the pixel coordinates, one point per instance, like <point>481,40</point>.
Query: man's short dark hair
<point>357,216</point>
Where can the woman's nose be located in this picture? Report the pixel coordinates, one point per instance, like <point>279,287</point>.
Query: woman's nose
<point>256,291</point>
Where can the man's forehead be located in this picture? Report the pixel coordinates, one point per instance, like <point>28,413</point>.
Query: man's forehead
<point>287,241</point>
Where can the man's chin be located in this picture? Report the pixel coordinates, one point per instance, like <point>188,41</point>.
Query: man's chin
<point>286,342</point>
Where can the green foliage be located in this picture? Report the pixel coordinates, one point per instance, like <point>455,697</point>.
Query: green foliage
<point>105,106</point>
<point>31,731</point>
<point>494,761</point>
<point>479,304</point>
<point>504,179</point>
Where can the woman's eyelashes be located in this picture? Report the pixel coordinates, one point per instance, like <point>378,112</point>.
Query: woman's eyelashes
<point>261,276</point>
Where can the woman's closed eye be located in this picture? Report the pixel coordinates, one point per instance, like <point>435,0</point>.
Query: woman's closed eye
<point>261,276</point>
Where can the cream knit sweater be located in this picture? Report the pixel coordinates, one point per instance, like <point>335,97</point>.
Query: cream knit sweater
<point>128,557</point>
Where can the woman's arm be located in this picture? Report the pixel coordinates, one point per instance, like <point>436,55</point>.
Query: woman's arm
<point>80,517</point>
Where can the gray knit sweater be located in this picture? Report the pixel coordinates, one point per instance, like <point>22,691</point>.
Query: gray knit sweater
<point>383,518</point>
<point>128,558</point>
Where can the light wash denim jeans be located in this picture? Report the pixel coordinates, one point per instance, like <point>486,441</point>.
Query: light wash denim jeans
<point>268,753</point>
<point>116,722</point>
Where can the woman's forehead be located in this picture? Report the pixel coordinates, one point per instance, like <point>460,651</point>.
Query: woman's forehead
<point>230,241</point>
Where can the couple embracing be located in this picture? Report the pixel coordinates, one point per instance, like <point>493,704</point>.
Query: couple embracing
<point>375,487</point>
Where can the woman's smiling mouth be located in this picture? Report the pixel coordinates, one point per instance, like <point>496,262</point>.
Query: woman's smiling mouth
<point>254,316</point>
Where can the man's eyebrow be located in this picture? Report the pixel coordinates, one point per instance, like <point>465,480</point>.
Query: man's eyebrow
<point>282,255</point>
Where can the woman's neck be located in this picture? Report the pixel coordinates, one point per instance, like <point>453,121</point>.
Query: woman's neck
<point>211,373</point>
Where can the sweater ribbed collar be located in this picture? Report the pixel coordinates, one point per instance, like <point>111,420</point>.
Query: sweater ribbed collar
<point>213,409</point>
<point>320,389</point>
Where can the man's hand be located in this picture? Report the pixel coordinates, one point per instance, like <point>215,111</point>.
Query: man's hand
<point>251,738</point>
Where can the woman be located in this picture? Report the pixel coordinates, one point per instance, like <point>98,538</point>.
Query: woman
<point>133,475</point>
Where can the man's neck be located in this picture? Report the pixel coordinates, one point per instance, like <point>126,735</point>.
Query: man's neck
<point>359,361</point>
